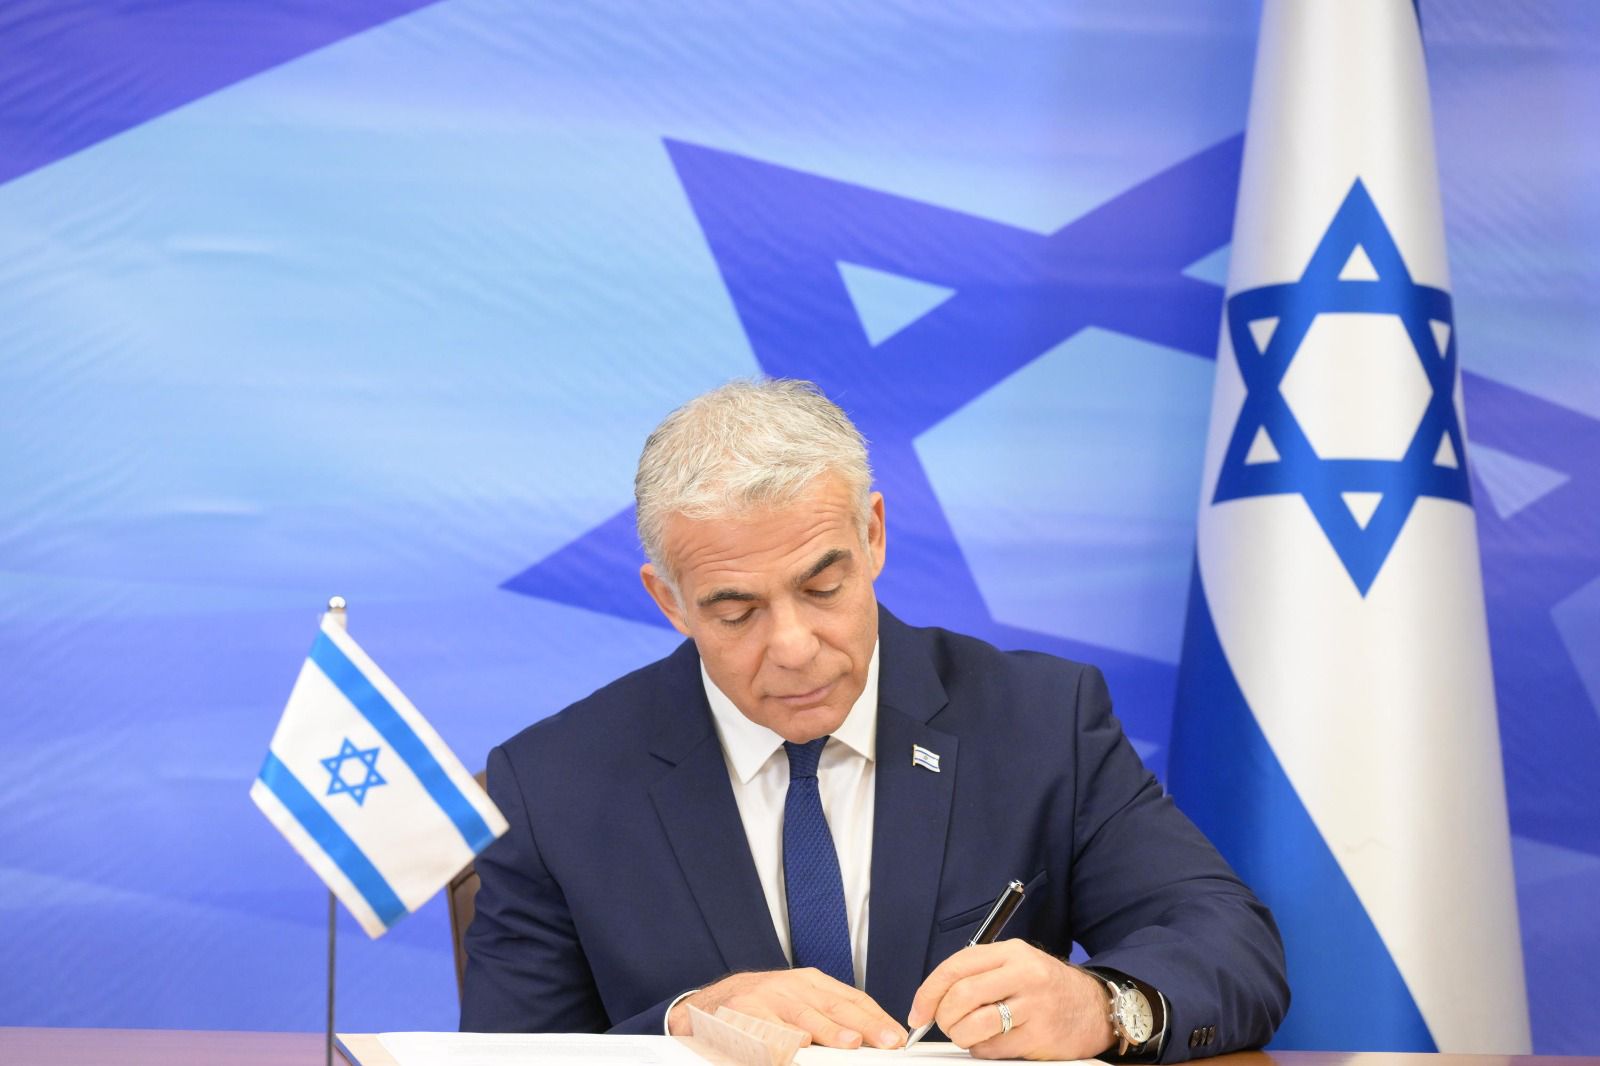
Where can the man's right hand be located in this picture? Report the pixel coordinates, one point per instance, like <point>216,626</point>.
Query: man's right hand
<point>833,1013</point>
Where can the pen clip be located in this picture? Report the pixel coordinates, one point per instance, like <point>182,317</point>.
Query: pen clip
<point>999,914</point>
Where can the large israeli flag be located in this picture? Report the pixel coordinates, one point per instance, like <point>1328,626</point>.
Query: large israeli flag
<point>1336,731</point>
<point>365,790</point>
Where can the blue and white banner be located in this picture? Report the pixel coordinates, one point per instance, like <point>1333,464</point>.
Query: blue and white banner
<point>366,790</point>
<point>1336,730</point>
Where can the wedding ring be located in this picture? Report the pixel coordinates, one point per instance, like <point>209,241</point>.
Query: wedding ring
<point>1005,1018</point>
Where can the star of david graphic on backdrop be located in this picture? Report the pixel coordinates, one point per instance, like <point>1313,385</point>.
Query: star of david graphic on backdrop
<point>1270,453</point>
<point>366,760</point>
<point>778,236</point>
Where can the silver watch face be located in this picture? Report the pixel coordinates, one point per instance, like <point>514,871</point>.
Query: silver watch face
<point>1133,1016</point>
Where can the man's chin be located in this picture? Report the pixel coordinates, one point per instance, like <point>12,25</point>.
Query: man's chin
<point>803,724</point>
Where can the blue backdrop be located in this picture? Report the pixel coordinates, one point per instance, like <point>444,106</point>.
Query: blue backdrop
<point>382,301</point>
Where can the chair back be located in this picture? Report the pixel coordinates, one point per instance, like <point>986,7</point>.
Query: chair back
<point>462,893</point>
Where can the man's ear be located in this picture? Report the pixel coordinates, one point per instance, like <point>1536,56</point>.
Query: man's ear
<point>877,534</point>
<point>661,590</point>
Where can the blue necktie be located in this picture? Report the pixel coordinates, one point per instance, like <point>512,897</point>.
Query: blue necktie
<point>819,930</point>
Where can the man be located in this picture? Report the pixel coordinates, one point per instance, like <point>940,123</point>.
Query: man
<point>806,810</point>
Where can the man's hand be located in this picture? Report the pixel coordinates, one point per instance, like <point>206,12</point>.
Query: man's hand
<point>833,1013</point>
<point>1057,1012</point>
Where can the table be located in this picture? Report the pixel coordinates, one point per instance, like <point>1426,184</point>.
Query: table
<point>181,1047</point>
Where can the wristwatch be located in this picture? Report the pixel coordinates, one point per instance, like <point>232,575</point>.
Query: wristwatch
<point>1138,1015</point>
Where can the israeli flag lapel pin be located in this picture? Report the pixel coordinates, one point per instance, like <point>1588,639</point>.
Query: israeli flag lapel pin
<point>921,756</point>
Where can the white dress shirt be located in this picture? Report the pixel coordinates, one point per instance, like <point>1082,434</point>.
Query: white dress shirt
<point>759,771</point>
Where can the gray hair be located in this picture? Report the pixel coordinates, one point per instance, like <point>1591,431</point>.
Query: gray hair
<point>747,444</point>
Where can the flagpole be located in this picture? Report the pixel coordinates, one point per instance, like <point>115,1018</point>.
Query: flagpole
<point>327,1043</point>
<point>336,611</point>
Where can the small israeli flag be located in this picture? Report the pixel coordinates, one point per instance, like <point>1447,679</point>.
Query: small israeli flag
<point>921,756</point>
<point>365,790</point>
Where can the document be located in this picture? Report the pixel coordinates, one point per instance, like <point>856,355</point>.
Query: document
<point>590,1049</point>
<point>924,1051</point>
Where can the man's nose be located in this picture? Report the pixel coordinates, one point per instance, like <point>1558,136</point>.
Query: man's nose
<point>793,643</point>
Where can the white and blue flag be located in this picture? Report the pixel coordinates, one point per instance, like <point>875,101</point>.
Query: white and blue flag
<point>1336,733</point>
<point>366,791</point>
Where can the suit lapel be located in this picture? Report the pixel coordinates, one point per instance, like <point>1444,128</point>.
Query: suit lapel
<point>911,818</point>
<point>695,803</point>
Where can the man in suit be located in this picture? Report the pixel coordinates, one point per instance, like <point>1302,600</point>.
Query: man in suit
<point>806,810</point>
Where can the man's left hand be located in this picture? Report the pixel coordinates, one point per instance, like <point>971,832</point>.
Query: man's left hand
<point>1057,1012</point>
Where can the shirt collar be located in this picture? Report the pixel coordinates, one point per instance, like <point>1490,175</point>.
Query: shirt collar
<point>748,745</point>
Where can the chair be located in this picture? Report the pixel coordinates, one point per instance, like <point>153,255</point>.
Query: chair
<point>462,893</point>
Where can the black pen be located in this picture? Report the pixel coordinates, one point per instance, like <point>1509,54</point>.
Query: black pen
<point>999,915</point>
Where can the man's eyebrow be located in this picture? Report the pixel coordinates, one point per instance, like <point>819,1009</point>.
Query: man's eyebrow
<point>837,555</point>
<point>725,596</point>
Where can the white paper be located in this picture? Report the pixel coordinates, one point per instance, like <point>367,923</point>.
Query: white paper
<point>586,1049</point>
<point>927,1051</point>
<point>939,1051</point>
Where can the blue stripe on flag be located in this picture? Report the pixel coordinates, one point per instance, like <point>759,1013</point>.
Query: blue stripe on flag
<point>1348,993</point>
<point>334,841</point>
<point>348,679</point>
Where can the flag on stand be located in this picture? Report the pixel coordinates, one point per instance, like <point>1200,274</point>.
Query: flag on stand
<point>366,791</point>
<point>1335,733</point>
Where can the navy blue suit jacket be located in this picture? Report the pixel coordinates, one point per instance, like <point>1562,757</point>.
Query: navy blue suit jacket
<point>626,879</point>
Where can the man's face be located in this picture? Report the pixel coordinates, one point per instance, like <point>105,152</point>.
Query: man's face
<point>779,603</point>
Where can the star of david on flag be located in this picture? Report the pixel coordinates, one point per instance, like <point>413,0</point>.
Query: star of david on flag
<point>391,850</point>
<point>1335,732</point>
<point>1360,501</point>
<point>366,758</point>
